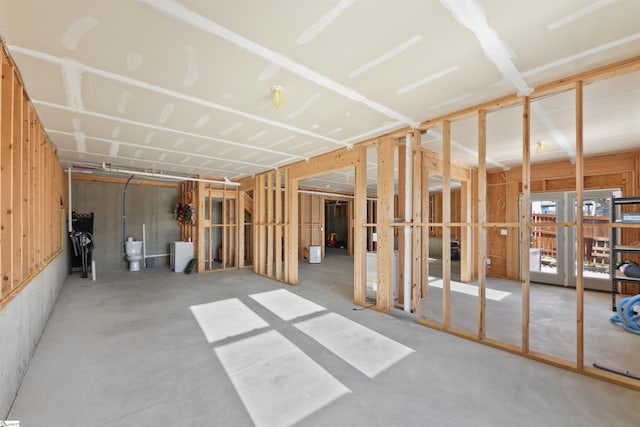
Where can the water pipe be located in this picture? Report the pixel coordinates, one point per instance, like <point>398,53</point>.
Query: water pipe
<point>124,215</point>
<point>108,168</point>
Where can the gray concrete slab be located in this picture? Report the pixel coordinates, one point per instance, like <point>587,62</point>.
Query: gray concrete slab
<point>126,350</point>
<point>22,321</point>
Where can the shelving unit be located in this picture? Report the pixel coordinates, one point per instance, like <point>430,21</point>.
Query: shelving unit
<point>618,249</point>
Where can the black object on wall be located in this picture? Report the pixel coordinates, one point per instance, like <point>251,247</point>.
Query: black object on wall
<point>82,243</point>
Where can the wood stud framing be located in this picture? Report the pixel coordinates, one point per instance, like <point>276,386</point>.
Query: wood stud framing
<point>360,219</point>
<point>384,301</point>
<point>481,231</point>
<point>32,183</point>
<point>278,225</point>
<point>416,217</point>
<point>446,220</point>
<point>32,189</point>
<point>579,229</point>
<point>524,220</point>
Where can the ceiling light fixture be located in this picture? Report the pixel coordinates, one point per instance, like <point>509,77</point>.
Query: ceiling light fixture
<point>541,148</point>
<point>277,97</point>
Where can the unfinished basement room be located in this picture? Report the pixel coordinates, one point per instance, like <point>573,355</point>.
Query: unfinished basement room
<point>311,213</point>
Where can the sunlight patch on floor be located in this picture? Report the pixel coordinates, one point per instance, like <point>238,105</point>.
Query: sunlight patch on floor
<point>227,318</point>
<point>364,349</point>
<point>277,382</point>
<point>286,305</point>
<point>463,288</point>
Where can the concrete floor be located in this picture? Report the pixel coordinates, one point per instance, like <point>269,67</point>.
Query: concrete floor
<point>126,350</point>
<point>552,321</point>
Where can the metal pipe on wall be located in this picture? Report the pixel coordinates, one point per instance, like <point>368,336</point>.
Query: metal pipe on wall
<point>69,215</point>
<point>124,215</point>
<point>109,168</point>
<point>144,246</point>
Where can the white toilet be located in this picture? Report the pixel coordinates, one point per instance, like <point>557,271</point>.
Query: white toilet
<point>133,249</point>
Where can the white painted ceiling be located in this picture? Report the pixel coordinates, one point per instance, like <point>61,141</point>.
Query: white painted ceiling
<point>184,86</point>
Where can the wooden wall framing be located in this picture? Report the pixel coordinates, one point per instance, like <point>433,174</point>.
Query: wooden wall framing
<point>32,189</point>
<point>219,212</point>
<point>270,225</point>
<point>506,188</point>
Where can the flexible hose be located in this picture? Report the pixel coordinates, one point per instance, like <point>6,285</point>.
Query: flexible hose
<point>626,316</point>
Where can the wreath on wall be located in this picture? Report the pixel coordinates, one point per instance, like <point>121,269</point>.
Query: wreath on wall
<point>184,213</point>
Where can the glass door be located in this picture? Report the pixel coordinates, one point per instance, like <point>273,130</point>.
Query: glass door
<point>596,211</point>
<point>552,248</point>
<point>547,257</point>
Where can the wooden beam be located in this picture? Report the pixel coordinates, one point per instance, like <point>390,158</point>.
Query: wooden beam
<point>278,224</point>
<point>241,206</point>
<point>224,228</point>
<point>336,160</point>
<point>18,223</point>
<point>416,216</point>
<point>255,217</point>
<point>446,219</point>
<point>466,241</point>
<point>304,224</point>
<point>399,210</point>
<point>524,220</point>
<point>33,183</point>
<point>3,252</point>
<point>42,192</point>
<point>350,233</point>
<point>270,226</point>
<point>579,228</point>
<point>359,235</point>
<point>26,187</point>
<point>292,230</point>
<point>424,237</point>
<point>199,244</point>
<point>6,177</point>
<point>286,230</point>
<point>481,202</point>
<point>47,197</point>
<point>247,184</point>
<point>385,233</point>
<point>262,233</point>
